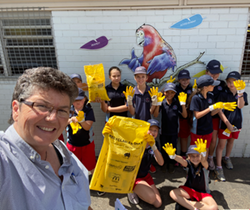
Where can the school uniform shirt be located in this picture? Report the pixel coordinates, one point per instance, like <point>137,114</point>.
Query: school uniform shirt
<point>235,117</point>
<point>170,117</point>
<point>203,125</point>
<point>197,178</point>
<point>82,137</point>
<point>117,98</point>
<point>146,161</point>
<point>142,104</point>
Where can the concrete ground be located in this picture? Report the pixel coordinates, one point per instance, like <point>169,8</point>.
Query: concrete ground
<point>232,194</point>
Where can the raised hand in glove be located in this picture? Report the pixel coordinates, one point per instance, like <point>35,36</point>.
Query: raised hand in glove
<point>160,98</point>
<point>171,80</point>
<point>194,86</point>
<point>80,117</point>
<point>240,86</point>
<point>153,94</point>
<point>107,129</point>
<point>170,150</point>
<point>75,127</point>
<point>129,94</point>
<point>230,106</point>
<point>201,147</point>
<point>182,98</point>
<point>150,140</point>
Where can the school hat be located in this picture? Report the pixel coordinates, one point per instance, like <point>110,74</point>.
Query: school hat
<point>206,80</point>
<point>234,75</point>
<point>213,67</point>
<point>191,150</point>
<point>140,70</point>
<point>81,95</point>
<point>72,76</point>
<point>184,74</point>
<point>170,86</point>
<point>154,122</point>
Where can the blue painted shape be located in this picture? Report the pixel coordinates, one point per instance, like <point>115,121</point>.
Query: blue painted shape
<point>188,23</point>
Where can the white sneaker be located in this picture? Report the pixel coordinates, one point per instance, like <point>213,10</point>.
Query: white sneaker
<point>133,198</point>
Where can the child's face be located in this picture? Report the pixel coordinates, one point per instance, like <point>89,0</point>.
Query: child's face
<point>79,104</point>
<point>184,82</point>
<point>78,82</point>
<point>169,95</point>
<point>230,83</point>
<point>141,79</point>
<point>209,88</point>
<point>115,76</point>
<point>153,130</point>
<point>214,76</point>
<point>195,158</point>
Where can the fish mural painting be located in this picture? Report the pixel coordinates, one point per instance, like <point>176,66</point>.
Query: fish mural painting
<point>157,56</point>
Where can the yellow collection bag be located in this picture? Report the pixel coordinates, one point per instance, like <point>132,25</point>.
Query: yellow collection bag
<point>121,154</point>
<point>96,82</point>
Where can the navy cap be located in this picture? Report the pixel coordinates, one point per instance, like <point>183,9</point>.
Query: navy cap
<point>234,75</point>
<point>213,67</point>
<point>184,74</point>
<point>154,122</point>
<point>81,95</point>
<point>72,76</point>
<point>206,80</point>
<point>140,70</point>
<point>191,150</point>
<point>170,86</point>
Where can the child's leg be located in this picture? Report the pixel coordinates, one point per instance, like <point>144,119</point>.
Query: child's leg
<point>230,144</point>
<point>148,193</point>
<point>207,203</point>
<point>213,143</point>
<point>180,196</point>
<point>184,142</point>
<point>219,150</point>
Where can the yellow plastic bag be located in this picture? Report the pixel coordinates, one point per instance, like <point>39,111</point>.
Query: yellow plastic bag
<point>120,156</point>
<point>96,82</point>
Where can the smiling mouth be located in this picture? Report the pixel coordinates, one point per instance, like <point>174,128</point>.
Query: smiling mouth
<point>46,129</point>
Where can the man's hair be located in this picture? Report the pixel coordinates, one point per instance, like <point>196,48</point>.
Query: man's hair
<point>43,78</point>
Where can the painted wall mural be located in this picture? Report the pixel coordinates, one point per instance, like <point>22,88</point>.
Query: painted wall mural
<point>188,23</point>
<point>99,43</point>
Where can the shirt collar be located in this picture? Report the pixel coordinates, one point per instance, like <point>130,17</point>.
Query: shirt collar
<point>138,92</point>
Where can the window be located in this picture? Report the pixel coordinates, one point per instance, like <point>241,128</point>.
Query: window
<point>27,40</point>
<point>245,70</point>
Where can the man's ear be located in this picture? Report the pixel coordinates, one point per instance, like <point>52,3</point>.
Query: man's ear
<point>15,110</point>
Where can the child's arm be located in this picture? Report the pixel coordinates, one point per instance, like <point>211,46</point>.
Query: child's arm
<point>131,109</point>
<point>184,111</point>
<point>180,160</point>
<point>158,157</point>
<point>204,161</point>
<point>225,120</point>
<point>86,125</point>
<point>129,93</point>
<point>117,109</point>
<point>214,112</point>
<point>240,87</point>
<point>182,99</point>
<point>200,114</point>
<point>152,109</point>
<point>104,106</point>
<point>156,112</point>
<point>241,101</point>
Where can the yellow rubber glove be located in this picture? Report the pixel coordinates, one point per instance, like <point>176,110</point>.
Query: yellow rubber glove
<point>129,94</point>
<point>218,105</point>
<point>153,94</point>
<point>171,80</point>
<point>75,127</point>
<point>240,86</point>
<point>182,98</point>
<point>80,117</point>
<point>194,86</point>
<point>150,140</point>
<point>107,129</point>
<point>170,150</point>
<point>160,98</point>
<point>201,147</point>
<point>230,106</point>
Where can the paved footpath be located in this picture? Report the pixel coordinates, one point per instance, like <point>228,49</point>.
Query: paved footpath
<point>232,194</point>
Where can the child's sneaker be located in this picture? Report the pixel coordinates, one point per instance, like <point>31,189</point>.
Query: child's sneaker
<point>220,175</point>
<point>152,169</point>
<point>133,198</point>
<point>227,163</point>
<point>211,164</point>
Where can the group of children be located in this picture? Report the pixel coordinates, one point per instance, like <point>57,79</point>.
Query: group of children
<point>208,110</point>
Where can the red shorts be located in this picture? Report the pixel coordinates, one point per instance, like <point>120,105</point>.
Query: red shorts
<point>85,154</point>
<point>147,179</point>
<point>234,135</point>
<point>207,137</point>
<point>61,138</point>
<point>216,122</point>
<point>194,195</point>
<point>184,130</point>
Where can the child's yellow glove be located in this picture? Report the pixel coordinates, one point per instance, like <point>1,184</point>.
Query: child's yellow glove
<point>240,86</point>
<point>230,106</point>
<point>107,129</point>
<point>171,80</point>
<point>153,94</point>
<point>201,147</point>
<point>182,98</point>
<point>160,98</point>
<point>170,150</point>
<point>129,94</point>
<point>150,140</point>
<point>80,117</point>
<point>194,86</point>
<point>75,127</point>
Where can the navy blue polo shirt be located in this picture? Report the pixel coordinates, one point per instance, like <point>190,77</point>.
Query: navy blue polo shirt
<point>82,137</point>
<point>117,98</point>
<point>170,117</point>
<point>204,125</point>
<point>235,117</point>
<point>147,159</point>
<point>197,178</point>
<point>142,104</point>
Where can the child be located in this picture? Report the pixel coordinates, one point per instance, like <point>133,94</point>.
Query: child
<point>213,69</point>
<point>184,130</point>
<point>117,104</point>
<point>195,192</point>
<point>82,143</point>
<point>170,110</point>
<point>77,79</point>
<point>233,122</point>
<point>144,186</point>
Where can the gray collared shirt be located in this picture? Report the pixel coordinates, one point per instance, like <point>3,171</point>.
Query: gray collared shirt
<point>28,183</point>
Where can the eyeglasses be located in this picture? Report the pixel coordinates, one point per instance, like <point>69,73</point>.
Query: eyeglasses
<point>42,108</point>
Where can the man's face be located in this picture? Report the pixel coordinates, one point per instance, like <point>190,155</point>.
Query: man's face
<point>36,128</point>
